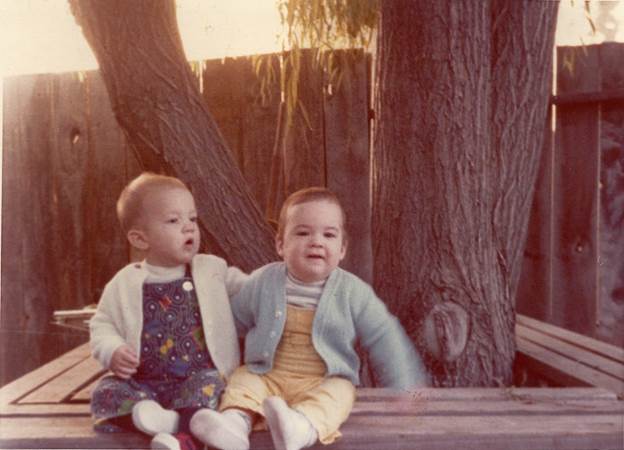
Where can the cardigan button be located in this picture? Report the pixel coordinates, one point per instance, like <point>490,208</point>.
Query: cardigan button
<point>187,286</point>
<point>265,354</point>
<point>278,313</point>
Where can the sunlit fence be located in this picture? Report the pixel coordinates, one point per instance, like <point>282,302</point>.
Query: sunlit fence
<point>574,258</point>
<point>65,160</point>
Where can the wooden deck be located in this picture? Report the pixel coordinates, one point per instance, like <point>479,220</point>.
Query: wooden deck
<point>48,409</point>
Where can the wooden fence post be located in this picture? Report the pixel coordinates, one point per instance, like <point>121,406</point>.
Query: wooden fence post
<point>576,171</point>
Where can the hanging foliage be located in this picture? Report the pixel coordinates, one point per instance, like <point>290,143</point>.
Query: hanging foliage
<point>324,26</point>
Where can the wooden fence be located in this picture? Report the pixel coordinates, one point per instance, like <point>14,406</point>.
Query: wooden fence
<point>574,259</point>
<point>65,161</point>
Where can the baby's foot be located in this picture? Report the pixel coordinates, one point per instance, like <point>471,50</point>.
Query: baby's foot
<point>228,430</point>
<point>290,430</point>
<point>151,418</point>
<point>178,441</point>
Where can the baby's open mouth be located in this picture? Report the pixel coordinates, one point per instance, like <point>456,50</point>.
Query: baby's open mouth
<point>315,256</point>
<point>189,241</point>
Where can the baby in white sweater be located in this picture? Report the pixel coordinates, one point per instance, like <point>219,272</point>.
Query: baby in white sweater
<point>163,326</point>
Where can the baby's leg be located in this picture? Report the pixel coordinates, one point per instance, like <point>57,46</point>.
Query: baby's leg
<point>290,429</point>
<point>325,406</point>
<point>242,398</point>
<point>113,400</point>
<point>199,391</point>
<point>151,418</point>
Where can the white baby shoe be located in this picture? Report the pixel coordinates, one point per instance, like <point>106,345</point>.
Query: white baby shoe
<point>227,430</point>
<point>290,430</point>
<point>151,418</point>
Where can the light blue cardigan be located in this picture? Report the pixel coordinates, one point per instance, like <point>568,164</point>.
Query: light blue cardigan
<point>348,311</point>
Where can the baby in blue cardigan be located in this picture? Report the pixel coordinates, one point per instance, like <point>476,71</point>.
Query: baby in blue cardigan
<point>301,319</point>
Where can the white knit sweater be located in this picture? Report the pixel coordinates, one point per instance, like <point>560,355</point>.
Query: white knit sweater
<point>119,316</point>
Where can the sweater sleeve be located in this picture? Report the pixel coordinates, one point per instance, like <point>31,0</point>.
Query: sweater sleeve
<point>105,337</point>
<point>243,303</point>
<point>394,358</point>
<point>234,280</point>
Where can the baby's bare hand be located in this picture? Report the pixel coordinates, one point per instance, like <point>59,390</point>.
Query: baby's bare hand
<point>124,362</point>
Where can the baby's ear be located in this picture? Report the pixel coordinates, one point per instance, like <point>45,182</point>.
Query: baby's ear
<point>343,250</point>
<point>279,247</point>
<point>137,239</point>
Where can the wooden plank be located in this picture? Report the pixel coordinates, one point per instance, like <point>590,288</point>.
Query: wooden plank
<point>84,394</point>
<point>611,282</point>
<point>111,164</point>
<point>576,196</point>
<point>61,388</point>
<point>25,188</point>
<point>25,384</point>
<point>69,158</point>
<point>304,158</point>
<point>221,91</point>
<point>367,396</point>
<point>348,158</point>
<point>259,119</point>
<point>564,370</point>
<point>587,343</point>
<point>247,119</point>
<point>486,408</point>
<point>63,432</point>
<point>488,394</point>
<point>394,407</point>
<point>534,292</point>
<point>509,432</point>
<point>573,352</point>
<point>50,410</point>
<point>603,96</point>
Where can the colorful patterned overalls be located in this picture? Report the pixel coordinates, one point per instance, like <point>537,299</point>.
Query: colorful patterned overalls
<point>175,366</point>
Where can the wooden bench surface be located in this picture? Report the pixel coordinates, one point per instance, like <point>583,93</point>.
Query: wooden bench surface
<point>569,359</point>
<point>48,408</point>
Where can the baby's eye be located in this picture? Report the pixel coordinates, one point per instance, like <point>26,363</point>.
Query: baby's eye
<point>193,219</point>
<point>172,220</point>
<point>301,233</point>
<point>330,235</point>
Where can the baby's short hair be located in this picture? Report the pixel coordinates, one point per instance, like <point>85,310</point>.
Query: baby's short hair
<point>308,195</point>
<point>130,202</point>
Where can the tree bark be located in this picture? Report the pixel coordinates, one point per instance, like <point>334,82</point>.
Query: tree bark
<point>461,100</point>
<point>157,102</point>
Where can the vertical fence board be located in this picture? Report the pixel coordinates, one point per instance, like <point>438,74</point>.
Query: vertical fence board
<point>259,118</point>
<point>246,119</point>
<point>611,223</point>
<point>221,84</point>
<point>26,270</point>
<point>68,177</point>
<point>67,278</point>
<point>107,172</point>
<point>533,297</point>
<point>575,196</point>
<point>348,159</point>
<point>303,147</point>
<point>23,309</point>
<point>66,160</point>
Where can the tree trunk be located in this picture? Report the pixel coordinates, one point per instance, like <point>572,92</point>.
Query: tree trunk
<point>457,141</point>
<point>156,100</point>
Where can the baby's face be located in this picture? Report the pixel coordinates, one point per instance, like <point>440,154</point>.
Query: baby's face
<point>169,226</point>
<point>313,241</point>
